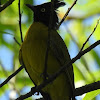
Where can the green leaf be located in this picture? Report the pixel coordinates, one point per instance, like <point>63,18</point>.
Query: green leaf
<point>91,95</point>
<point>96,57</point>
<point>77,74</point>
<point>3,89</point>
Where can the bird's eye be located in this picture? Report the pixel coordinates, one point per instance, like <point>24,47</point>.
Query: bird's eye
<point>43,10</point>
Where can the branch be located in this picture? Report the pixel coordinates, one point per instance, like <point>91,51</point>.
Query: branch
<point>87,88</point>
<point>11,76</point>
<point>90,35</point>
<point>0,3</point>
<point>20,21</point>
<point>55,75</point>
<point>67,13</point>
<point>2,7</point>
<point>48,42</point>
<point>17,41</point>
<point>78,91</point>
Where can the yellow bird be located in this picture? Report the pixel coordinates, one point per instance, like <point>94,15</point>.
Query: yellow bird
<point>33,50</point>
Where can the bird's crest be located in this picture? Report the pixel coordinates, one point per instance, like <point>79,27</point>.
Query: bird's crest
<point>42,12</point>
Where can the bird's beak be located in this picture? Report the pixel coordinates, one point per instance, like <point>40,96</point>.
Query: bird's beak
<point>30,6</point>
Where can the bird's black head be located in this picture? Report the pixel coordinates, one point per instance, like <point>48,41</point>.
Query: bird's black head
<point>42,12</point>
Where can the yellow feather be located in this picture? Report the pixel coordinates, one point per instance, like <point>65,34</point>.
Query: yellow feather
<point>32,54</point>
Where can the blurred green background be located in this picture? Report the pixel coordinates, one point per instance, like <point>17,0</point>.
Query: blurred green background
<point>75,30</point>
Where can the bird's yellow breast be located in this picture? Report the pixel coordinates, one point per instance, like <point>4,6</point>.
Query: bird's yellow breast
<point>32,53</point>
<point>34,47</point>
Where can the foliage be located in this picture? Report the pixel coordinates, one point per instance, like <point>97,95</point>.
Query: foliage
<point>75,30</point>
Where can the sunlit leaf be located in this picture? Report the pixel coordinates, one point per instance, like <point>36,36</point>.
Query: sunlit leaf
<point>91,95</point>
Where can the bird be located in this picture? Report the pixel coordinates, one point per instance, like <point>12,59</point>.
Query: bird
<point>32,53</point>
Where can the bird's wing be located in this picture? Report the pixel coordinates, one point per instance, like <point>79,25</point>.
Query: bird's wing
<point>61,53</point>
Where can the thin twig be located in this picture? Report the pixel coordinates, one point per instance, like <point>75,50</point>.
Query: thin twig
<point>17,71</point>
<point>2,7</point>
<point>0,3</point>
<point>83,59</point>
<point>20,21</point>
<point>67,13</point>
<point>11,76</point>
<point>55,75</point>
<point>48,42</point>
<point>90,35</point>
<point>16,41</point>
<point>10,82</point>
<point>3,32</point>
